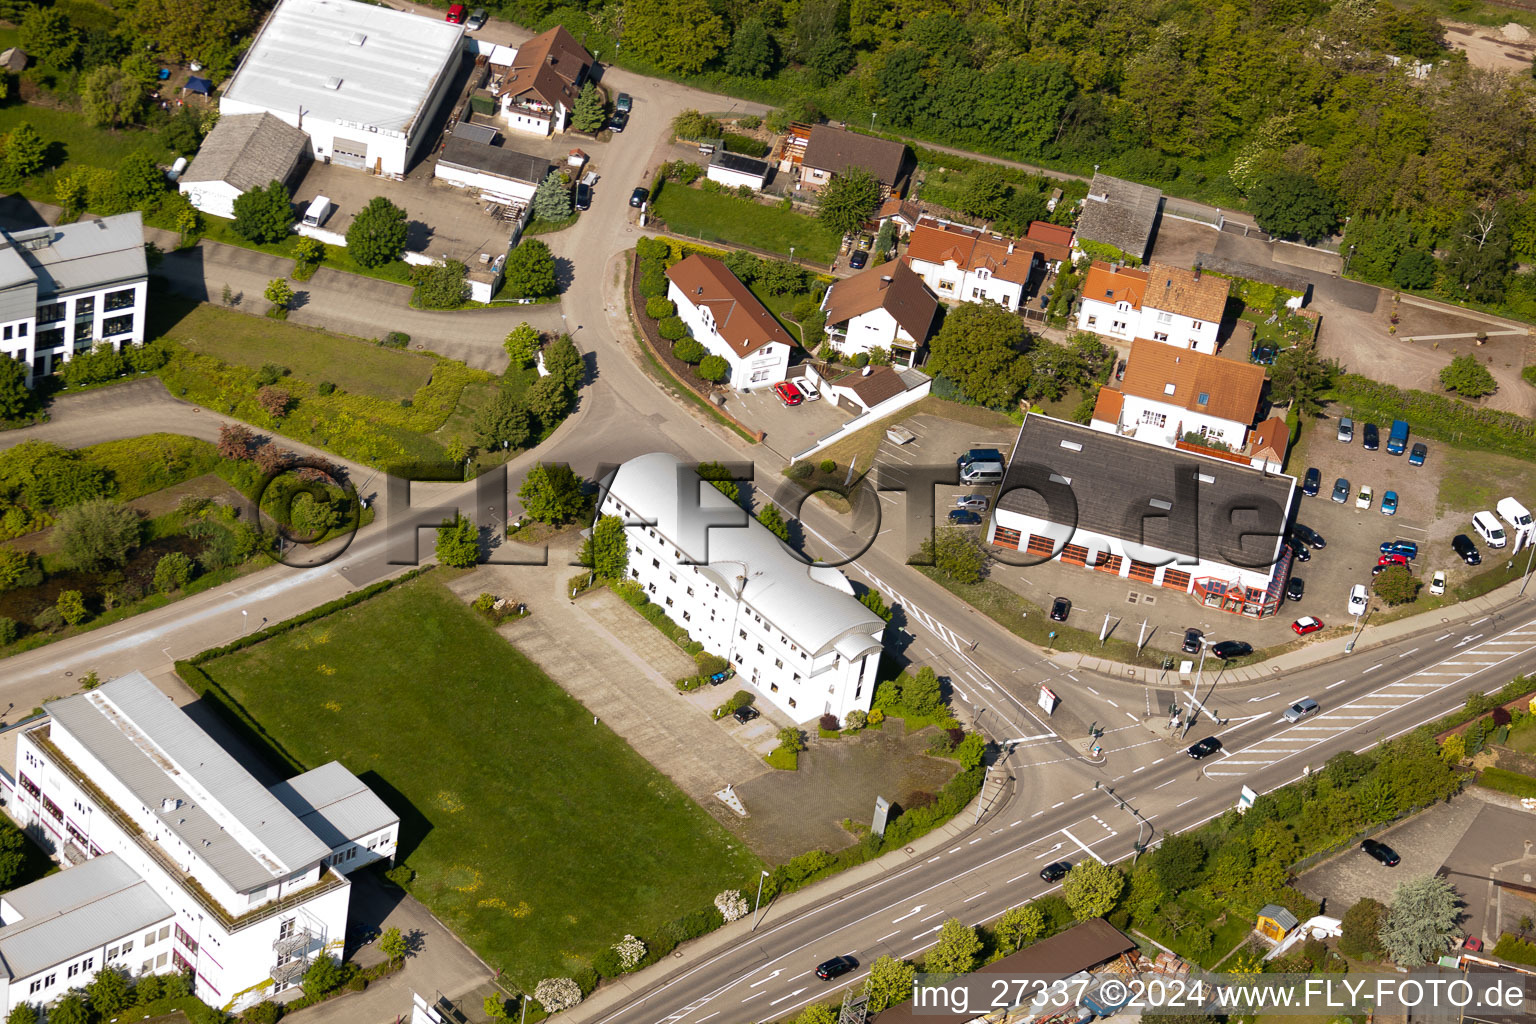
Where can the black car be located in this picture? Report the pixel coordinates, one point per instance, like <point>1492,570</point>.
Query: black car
<point>1307,535</point>
<point>639,197</point>
<point>1232,649</point>
<point>858,260</point>
<point>963,517</point>
<point>1372,437</point>
<point>1313,481</point>
<point>1205,748</point>
<point>745,713</point>
<point>1193,638</point>
<point>583,196</point>
<point>829,969</point>
<point>1466,549</point>
<point>1295,587</point>
<point>1381,852</point>
<point>618,122</point>
<point>1300,551</point>
<point>1055,872</point>
<point>1060,609</point>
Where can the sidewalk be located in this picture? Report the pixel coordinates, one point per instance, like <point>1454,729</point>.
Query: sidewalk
<point>1492,604</point>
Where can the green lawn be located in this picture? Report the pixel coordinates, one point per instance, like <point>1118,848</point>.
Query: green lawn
<point>539,837</point>
<point>73,141</point>
<point>349,363</point>
<point>722,218</point>
<point>1473,482</point>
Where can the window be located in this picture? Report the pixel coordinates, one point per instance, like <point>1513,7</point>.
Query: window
<point>89,963</point>
<point>1092,320</point>
<point>119,300</point>
<point>1159,336</point>
<point>53,809</point>
<point>655,563</point>
<point>977,293</point>
<point>690,591</point>
<point>1204,398</point>
<point>1005,300</point>
<point>672,576</point>
<point>634,573</point>
<point>743,634</point>
<point>21,330</point>
<point>30,786</point>
<point>1198,324</point>
<point>687,617</point>
<point>759,648</point>
<point>50,339</point>
<point>74,969</point>
<point>85,306</point>
<point>773,687</point>
<point>791,702</point>
<point>778,663</point>
<point>285,930</point>
<point>669,602</point>
<point>637,549</point>
<point>49,312</point>
<point>185,939</point>
<point>9,330</point>
<point>36,987</point>
<point>146,966</point>
<point>165,933</point>
<point>1164,318</point>
<point>149,938</point>
<point>946,286</point>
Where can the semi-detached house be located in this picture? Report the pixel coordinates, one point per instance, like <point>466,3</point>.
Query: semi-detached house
<point>1167,304</point>
<point>794,632</point>
<point>962,264</point>
<point>538,88</point>
<point>729,321</point>
<point>175,858</point>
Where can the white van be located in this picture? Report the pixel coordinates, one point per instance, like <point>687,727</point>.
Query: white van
<point>1488,528</point>
<point>318,211</point>
<point>1514,514</point>
<point>982,473</point>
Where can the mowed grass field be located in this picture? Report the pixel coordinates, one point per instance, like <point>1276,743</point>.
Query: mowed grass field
<point>536,835</point>
<point>723,218</point>
<point>354,365</point>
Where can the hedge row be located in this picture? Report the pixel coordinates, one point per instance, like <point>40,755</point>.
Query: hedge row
<point>1439,417</point>
<point>1507,782</point>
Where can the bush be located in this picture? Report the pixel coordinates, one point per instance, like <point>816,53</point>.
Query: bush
<point>713,368</point>
<point>660,307</point>
<point>749,122</point>
<point>828,723</point>
<point>828,466</point>
<point>325,387</point>
<point>400,875</point>
<point>9,631</point>
<point>395,339</point>
<point>270,373</point>
<point>799,471</point>
<point>745,144</point>
<point>688,350</point>
<point>264,1012</point>
<point>172,572</point>
<point>672,328</point>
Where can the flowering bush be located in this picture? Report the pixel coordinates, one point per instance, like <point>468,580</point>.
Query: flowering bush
<point>631,951</point>
<point>732,905</point>
<point>556,994</point>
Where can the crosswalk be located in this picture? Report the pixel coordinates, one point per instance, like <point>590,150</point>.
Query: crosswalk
<point>1464,660</point>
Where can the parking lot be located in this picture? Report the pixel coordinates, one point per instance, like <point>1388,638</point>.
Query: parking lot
<point>787,429</point>
<point>1476,840</point>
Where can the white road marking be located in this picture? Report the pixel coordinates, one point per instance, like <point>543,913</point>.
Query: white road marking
<point>792,995</point>
<point>1373,668</point>
<point>884,937</point>
<point>1168,783</point>
<point>1441,637</point>
<point>1091,690</point>
<point>1112,704</point>
<point>915,910</point>
<point>976,897</point>
<point>1083,846</point>
<point>1255,700</point>
<point>1189,801</point>
<point>1341,682</point>
<point>766,980</point>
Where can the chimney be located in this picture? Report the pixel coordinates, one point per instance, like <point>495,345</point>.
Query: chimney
<point>886,278</point>
<point>1010,247</point>
<point>1197,270</point>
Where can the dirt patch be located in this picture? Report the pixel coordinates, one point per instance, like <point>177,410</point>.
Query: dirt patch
<point>1507,48</point>
<point>792,812</point>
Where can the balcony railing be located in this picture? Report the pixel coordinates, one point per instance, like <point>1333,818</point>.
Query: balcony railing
<point>289,971</point>
<point>297,942</point>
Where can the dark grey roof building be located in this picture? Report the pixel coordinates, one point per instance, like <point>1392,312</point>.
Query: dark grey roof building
<point>1120,213</point>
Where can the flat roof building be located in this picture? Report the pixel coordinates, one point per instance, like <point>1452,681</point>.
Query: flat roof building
<point>363,81</point>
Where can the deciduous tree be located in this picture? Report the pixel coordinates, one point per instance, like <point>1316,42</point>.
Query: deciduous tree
<point>1293,205</point>
<point>1396,585</point>
<point>956,951</point>
<point>563,362</point>
<point>848,199</point>
<point>393,945</point>
<point>1092,889</point>
<point>97,533</point>
<point>890,982</point>
<point>47,35</point>
<point>112,96</point>
<point>957,554</point>
<point>441,285</point>
<point>25,152</point>
<point>1468,377</point>
<point>172,572</point>
<point>548,400</point>
<point>1020,926</point>
<point>264,214</point>
<point>71,606</point>
<point>1361,930</point>
<point>503,422</point>
<point>279,293</point>
<point>1479,254</point>
<point>753,53</point>
<point>458,542</point>
<point>530,271</point>
<point>681,36</point>
<point>521,344</point>
<point>923,694</point>
<point>607,549</point>
<point>551,493</point>
<point>713,368</point>
<point>1299,378</point>
<point>378,233</point>
<point>15,398</point>
<point>110,992</point>
<point>980,348</point>
<point>771,518</point>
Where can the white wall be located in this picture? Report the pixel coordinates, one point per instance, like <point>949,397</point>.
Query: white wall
<point>489,184</point>
<point>524,120</point>
<point>1117,320</point>
<point>768,365</point>
<point>92,327</point>
<point>733,179</point>
<point>967,286</point>
<point>1163,424</point>
<point>1179,330</point>
<point>213,197</point>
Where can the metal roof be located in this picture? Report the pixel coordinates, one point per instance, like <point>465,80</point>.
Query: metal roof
<point>189,782</point>
<point>84,255</point>
<point>739,163</point>
<point>248,151</point>
<point>1278,914</point>
<point>812,605</point>
<point>471,155</point>
<point>385,80</point>
<point>335,804</point>
<point>71,913</point>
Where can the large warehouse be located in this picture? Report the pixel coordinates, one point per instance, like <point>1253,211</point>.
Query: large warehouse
<point>362,81</point>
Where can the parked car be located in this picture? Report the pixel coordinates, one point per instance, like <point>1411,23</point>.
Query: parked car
<point>1392,560</point>
<point>617,122</point>
<point>1377,570</point>
<point>1416,455</point>
<point>809,391</point>
<point>639,197</point>
<point>973,502</point>
<point>1204,748</point>
<point>745,713</point>
<point>1341,490</point>
<point>1364,498</point>
<point>1308,536</point>
<point>1346,430</point>
<point>1466,549</point>
<point>859,260</point>
<point>1407,548</point>
<point>1313,481</point>
<point>456,14</point>
<point>1381,852</point>
<point>1300,551</point>
<point>838,965</point>
<point>1371,438</point>
<point>788,393</point>
<point>1120,370</point>
<point>1229,649</point>
<point>963,517</point>
<point>583,196</point>
<point>865,242</point>
<point>476,20</point>
<point>979,455</point>
<point>624,103</point>
<point>1055,872</point>
<point>1304,708</point>
<point>1060,609</point>
<point>1295,587</point>
<point>1437,583</point>
<point>1389,503</point>
<point>1358,599</point>
<point>1193,638</point>
<point>1307,624</point>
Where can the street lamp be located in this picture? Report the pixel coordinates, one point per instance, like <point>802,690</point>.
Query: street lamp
<point>759,904</point>
<point>872,120</point>
<point>791,254</point>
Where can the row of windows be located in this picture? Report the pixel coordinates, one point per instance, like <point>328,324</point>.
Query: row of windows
<point>185,939</point>
<point>114,952</point>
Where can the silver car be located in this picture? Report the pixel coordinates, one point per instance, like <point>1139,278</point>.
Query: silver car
<point>1304,708</point>
<point>972,502</point>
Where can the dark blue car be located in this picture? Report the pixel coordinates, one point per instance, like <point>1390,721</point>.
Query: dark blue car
<point>1406,548</point>
<point>1313,481</point>
<point>963,517</point>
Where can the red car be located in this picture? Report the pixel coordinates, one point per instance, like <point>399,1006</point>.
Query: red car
<point>1307,624</point>
<point>1392,560</point>
<point>456,14</point>
<point>788,393</point>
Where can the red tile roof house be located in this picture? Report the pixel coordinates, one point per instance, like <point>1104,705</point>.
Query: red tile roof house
<point>964,264</point>
<point>885,307</point>
<point>728,320</point>
<point>540,88</point>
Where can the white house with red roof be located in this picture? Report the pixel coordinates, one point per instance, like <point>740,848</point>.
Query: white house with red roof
<point>1169,304</point>
<point>728,320</point>
<point>962,264</point>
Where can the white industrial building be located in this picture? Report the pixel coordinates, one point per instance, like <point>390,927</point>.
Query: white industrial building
<point>1161,517</point>
<point>728,320</point>
<point>362,81</point>
<point>497,172</point>
<point>1177,307</point>
<point>240,885</point>
<point>243,152</point>
<point>66,289</point>
<point>794,632</point>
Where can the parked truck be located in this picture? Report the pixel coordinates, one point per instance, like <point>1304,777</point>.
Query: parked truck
<point>1397,441</point>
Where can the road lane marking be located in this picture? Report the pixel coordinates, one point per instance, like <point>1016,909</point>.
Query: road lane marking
<point>766,980</point>
<point>1112,704</point>
<point>1441,637</point>
<point>753,996</point>
<point>1168,783</point>
<point>1189,801</point>
<point>1373,668</point>
<point>1084,846</point>
<point>1341,682</point>
<point>1058,804</point>
<point>884,937</point>
<point>976,897</point>
<point>1255,700</point>
<point>930,917</point>
<point>1091,690</point>
<point>1406,653</point>
<point>915,910</point>
<point>792,995</point>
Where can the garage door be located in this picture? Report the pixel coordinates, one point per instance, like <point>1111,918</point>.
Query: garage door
<point>350,154</point>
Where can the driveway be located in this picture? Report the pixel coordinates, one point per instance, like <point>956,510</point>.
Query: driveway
<point>786,429</point>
